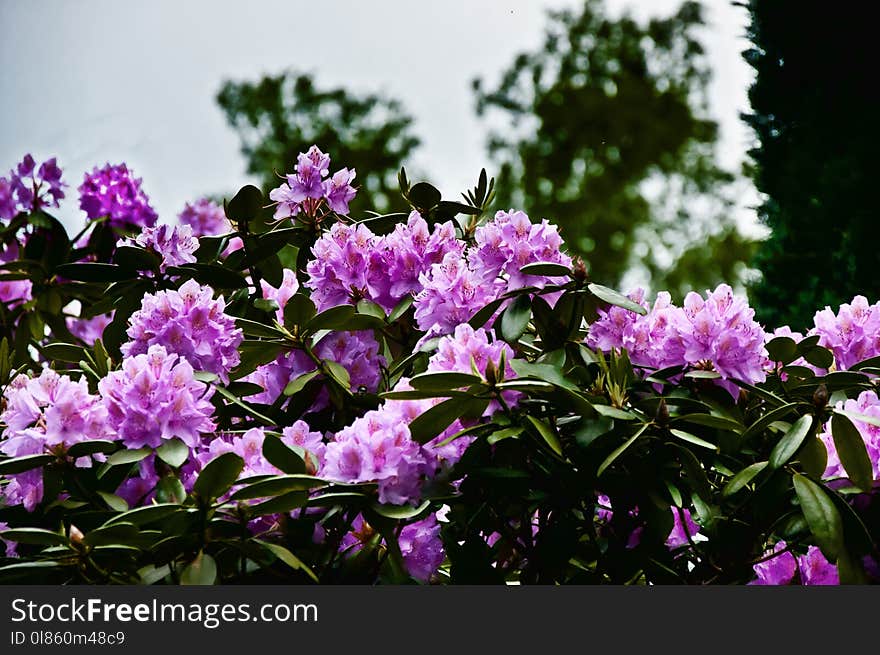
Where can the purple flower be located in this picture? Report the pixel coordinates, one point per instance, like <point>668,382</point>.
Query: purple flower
<point>289,286</point>
<point>338,190</point>
<point>778,570</point>
<point>10,545</point>
<point>49,412</point>
<point>816,570</point>
<point>510,241</point>
<point>89,330</point>
<point>347,267</point>
<point>377,448</point>
<point>682,532</point>
<point>30,188</point>
<point>114,192</point>
<point>853,334</point>
<point>188,322</point>
<point>357,352</point>
<point>422,548</point>
<point>174,244</point>
<point>452,292</point>
<point>13,292</point>
<point>311,443</point>
<point>205,217</point>
<point>868,404</point>
<point>308,188</point>
<point>154,398</point>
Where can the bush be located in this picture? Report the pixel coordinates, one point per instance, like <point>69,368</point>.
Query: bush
<point>441,397</point>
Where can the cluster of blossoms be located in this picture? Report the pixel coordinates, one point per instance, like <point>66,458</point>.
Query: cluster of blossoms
<point>853,334</point>
<point>717,333</point>
<point>30,188</point>
<point>378,447</point>
<point>454,289</point>
<point>809,569</point>
<point>188,322</point>
<point>310,187</point>
<point>352,263</point>
<point>89,330</point>
<point>174,244</point>
<point>867,404</point>
<point>114,192</point>
<point>205,217</point>
<point>43,414</point>
<point>154,398</point>
<point>419,542</point>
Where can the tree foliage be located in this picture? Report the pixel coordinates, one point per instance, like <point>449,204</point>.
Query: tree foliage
<point>814,112</point>
<point>275,115</point>
<point>606,135</point>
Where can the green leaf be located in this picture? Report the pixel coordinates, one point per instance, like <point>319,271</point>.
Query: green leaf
<point>782,349</point>
<point>339,373</point>
<point>214,275</point>
<point>819,357</point>
<point>283,503</point>
<point>218,475</point>
<point>617,452</point>
<point>170,490</point>
<point>858,416</point>
<point>21,464</point>
<point>545,372</point>
<point>401,308</point>
<point>399,512</point>
<point>791,441</point>
<point>287,557</point>
<point>614,412</point>
<point>245,205</point>
<point>277,485</point>
<point>764,422</point>
<point>201,571</point>
<point>712,421</point>
<point>741,479</point>
<point>484,314</point>
<point>612,297</point>
<point>813,457</point>
<point>128,456</point>
<point>424,196</point>
<point>63,352</point>
<point>369,308</point>
<point>136,259</point>
<point>515,318</point>
<point>145,515</point>
<point>444,380</point>
<point>95,272</point>
<point>298,383</point>
<point>35,536</point>
<point>821,514</point>
<point>113,501</point>
<point>335,318</point>
<point>281,456</point>
<point>237,401</point>
<point>692,438</point>
<point>254,329</point>
<point>703,375</point>
<point>550,269</point>
<point>299,310</point>
<point>85,448</point>
<point>428,425</point>
<point>269,305</point>
<point>852,451</point>
<point>112,534</point>
<point>547,434</point>
<point>173,452</point>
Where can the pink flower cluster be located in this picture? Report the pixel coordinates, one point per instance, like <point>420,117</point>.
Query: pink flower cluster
<point>154,397</point>
<point>716,333</point>
<point>454,289</point>
<point>188,322</point>
<point>13,292</point>
<point>309,187</point>
<point>174,244</point>
<point>205,217</point>
<point>352,263</point>
<point>853,334</point>
<point>378,447</point>
<point>49,412</point>
<point>89,330</point>
<point>28,188</point>
<point>114,192</point>
<point>867,404</point>
<point>811,568</point>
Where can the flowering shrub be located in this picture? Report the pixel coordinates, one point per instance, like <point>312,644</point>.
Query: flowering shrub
<point>437,396</point>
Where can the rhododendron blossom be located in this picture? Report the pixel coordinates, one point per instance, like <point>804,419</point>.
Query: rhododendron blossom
<point>114,192</point>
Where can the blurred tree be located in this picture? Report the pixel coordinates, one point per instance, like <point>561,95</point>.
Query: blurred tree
<point>280,116</point>
<point>606,135</point>
<point>815,111</point>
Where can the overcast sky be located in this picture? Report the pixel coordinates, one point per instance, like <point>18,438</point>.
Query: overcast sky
<point>101,80</point>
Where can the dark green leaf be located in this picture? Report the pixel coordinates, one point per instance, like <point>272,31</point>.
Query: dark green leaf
<point>428,425</point>
<point>612,297</point>
<point>254,329</point>
<point>819,356</point>
<point>85,448</point>
<point>852,451</point>
<point>550,269</point>
<point>515,318</point>
<point>617,452</point>
<point>548,435</point>
<point>35,536</point>
<point>218,475</point>
<point>741,479</point>
<point>821,514</point>
<point>424,196</point>
<point>400,512</point>
<point>443,380</point>
<point>128,456</point>
<point>299,310</point>
<point>173,452</point>
<point>21,464</point>
<point>201,571</point>
<point>282,456</point>
<point>95,272</point>
<point>782,349</point>
<point>245,205</point>
<point>287,557</point>
<point>63,352</point>
<point>145,515</point>
<point>791,441</point>
<point>283,503</point>
<point>335,318</point>
<point>277,485</point>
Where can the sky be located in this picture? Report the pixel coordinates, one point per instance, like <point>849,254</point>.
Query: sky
<point>92,81</point>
